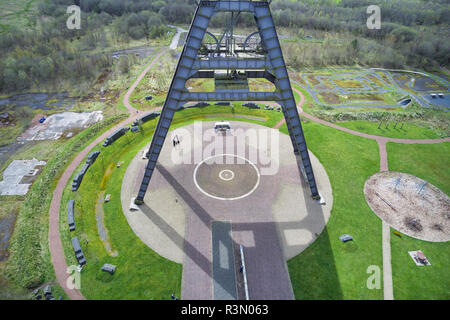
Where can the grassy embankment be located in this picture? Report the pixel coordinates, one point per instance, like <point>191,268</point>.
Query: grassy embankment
<point>29,263</point>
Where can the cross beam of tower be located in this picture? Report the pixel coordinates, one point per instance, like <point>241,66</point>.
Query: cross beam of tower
<point>198,61</point>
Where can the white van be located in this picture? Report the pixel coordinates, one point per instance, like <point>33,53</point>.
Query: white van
<point>222,126</point>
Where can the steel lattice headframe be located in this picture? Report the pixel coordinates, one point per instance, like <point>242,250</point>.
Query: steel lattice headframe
<point>199,61</point>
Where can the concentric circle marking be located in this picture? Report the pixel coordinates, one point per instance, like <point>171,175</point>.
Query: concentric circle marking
<point>226,175</point>
<point>226,180</point>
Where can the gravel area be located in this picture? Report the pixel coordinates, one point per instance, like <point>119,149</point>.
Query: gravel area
<point>410,205</point>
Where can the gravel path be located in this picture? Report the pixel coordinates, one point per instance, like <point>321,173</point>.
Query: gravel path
<point>176,38</point>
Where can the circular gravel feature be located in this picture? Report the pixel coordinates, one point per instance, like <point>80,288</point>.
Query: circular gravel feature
<point>226,177</point>
<point>409,204</point>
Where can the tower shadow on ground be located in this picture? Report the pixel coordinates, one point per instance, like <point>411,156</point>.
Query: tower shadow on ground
<point>323,285</point>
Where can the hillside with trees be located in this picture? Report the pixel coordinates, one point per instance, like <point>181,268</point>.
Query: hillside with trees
<point>412,35</point>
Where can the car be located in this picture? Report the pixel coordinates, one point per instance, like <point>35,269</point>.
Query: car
<point>222,126</point>
<point>42,120</point>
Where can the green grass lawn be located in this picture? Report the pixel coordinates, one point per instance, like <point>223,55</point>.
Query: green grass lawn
<point>426,161</point>
<point>429,162</point>
<point>141,273</point>
<point>407,131</point>
<point>330,269</point>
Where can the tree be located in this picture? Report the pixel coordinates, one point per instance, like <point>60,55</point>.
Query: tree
<point>45,68</point>
<point>404,34</point>
<point>90,5</point>
<point>114,7</point>
<point>124,66</point>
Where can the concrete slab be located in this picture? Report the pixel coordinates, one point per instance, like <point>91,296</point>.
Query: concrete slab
<point>13,175</point>
<point>57,124</point>
<point>133,206</point>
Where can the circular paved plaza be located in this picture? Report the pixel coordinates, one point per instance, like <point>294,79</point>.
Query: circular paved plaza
<point>226,177</point>
<point>249,177</point>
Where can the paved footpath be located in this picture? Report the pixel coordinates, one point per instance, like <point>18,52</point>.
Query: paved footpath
<point>55,244</point>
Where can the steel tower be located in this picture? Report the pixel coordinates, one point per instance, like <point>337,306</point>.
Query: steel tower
<point>231,63</point>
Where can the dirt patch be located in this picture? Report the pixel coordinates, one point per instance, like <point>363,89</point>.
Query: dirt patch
<point>35,120</point>
<point>386,79</point>
<point>325,84</point>
<point>351,84</point>
<point>260,85</point>
<point>102,232</point>
<point>409,204</point>
<point>365,97</point>
<point>103,76</point>
<point>312,80</point>
<point>297,78</point>
<point>329,98</point>
<point>29,179</point>
<point>375,80</point>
